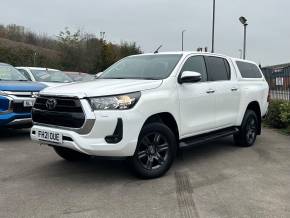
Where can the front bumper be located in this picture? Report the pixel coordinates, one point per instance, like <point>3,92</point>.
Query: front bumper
<point>96,141</point>
<point>22,122</point>
<point>15,119</point>
<point>15,113</point>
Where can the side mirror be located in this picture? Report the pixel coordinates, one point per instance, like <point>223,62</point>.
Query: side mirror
<point>189,77</point>
<point>98,75</point>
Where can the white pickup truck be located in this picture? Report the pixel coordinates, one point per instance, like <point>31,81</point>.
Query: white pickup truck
<point>146,107</point>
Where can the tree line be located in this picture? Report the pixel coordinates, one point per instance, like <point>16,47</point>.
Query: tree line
<point>70,51</point>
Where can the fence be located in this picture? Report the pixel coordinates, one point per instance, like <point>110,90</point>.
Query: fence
<point>279,82</point>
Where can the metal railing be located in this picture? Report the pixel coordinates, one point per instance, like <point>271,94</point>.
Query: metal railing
<point>279,82</point>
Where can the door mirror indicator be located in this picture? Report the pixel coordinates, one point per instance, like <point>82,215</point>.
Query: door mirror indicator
<point>189,77</point>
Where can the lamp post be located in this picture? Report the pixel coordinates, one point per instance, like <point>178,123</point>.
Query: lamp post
<point>213,27</point>
<point>182,36</point>
<point>241,53</point>
<point>243,21</point>
<point>34,59</point>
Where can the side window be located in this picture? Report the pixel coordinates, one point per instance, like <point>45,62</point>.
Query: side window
<point>24,73</point>
<point>196,63</point>
<point>217,68</point>
<point>248,70</point>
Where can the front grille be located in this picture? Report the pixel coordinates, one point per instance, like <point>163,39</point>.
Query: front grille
<point>18,107</point>
<point>67,112</point>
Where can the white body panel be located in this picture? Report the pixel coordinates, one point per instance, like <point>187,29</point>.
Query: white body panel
<point>194,110</point>
<point>103,87</point>
<point>197,109</point>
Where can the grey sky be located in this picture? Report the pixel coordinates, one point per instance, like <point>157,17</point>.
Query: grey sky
<point>154,22</point>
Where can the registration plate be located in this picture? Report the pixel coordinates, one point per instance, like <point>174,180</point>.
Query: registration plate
<point>28,103</point>
<point>49,136</point>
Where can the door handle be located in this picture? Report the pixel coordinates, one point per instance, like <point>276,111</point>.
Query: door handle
<point>234,89</point>
<point>210,91</point>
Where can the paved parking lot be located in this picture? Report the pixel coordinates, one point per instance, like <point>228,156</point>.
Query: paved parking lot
<point>212,180</point>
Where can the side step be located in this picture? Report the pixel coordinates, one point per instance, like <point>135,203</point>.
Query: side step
<point>207,137</point>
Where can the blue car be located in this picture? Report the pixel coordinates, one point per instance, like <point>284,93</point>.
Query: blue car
<point>17,96</point>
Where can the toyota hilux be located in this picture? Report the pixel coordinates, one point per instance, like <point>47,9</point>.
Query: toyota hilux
<point>146,107</point>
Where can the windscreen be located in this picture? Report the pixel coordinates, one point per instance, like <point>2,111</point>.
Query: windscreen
<point>153,67</point>
<point>51,76</point>
<point>9,73</point>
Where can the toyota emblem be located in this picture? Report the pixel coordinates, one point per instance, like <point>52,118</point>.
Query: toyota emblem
<point>50,104</point>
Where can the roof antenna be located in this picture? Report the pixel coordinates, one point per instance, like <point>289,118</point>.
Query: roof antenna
<point>157,50</point>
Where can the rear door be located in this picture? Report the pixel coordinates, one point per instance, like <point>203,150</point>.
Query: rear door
<point>223,82</point>
<point>196,102</point>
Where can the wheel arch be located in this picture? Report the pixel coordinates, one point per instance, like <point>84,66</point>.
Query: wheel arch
<point>255,106</point>
<point>165,118</point>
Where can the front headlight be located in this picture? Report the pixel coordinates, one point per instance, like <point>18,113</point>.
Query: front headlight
<point>117,102</point>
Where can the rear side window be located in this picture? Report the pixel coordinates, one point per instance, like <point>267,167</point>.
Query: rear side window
<point>217,68</point>
<point>248,70</point>
<point>196,64</point>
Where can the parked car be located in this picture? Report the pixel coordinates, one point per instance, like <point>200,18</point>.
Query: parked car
<point>80,77</point>
<point>47,76</point>
<point>17,96</point>
<point>146,107</point>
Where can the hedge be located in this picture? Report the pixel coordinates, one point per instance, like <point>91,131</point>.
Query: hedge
<point>279,115</point>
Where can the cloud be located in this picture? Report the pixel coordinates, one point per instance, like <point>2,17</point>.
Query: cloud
<point>151,23</point>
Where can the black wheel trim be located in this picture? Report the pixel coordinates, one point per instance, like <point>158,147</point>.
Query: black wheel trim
<point>153,151</point>
<point>251,130</point>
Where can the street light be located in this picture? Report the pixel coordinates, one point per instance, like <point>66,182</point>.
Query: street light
<point>182,36</point>
<point>213,27</point>
<point>243,21</point>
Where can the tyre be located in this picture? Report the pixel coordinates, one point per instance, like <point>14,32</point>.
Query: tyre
<point>69,154</point>
<point>155,151</point>
<point>248,131</point>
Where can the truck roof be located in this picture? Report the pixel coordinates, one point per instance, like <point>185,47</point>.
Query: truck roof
<point>198,53</point>
<point>181,52</point>
<point>188,53</point>
<point>242,60</point>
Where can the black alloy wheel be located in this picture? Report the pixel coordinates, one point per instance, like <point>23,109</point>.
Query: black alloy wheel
<point>155,151</point>
<point>248,132</point>
<point>251,130</point>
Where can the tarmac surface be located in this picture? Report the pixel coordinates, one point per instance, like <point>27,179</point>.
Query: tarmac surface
<point>215,179</point>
